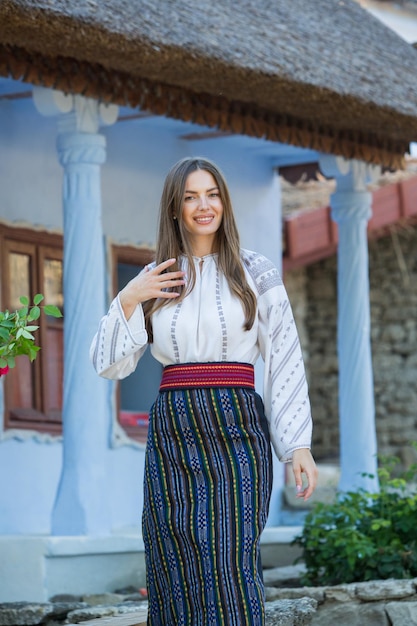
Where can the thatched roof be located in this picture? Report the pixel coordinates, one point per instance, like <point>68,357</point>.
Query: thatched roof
<point>315,73</point>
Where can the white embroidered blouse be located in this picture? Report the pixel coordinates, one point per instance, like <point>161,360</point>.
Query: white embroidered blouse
<point>208,326</point>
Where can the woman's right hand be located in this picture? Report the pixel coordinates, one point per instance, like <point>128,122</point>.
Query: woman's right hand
<point>150,284</point>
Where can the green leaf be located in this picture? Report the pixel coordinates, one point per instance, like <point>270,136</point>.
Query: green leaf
<point>31,328</point>
<point>34,313</point>
<point>8,323</point>
<point>24,300</point>
<point>27,334</point>
<point>11,361</point>
<point>4,334</point>
<point>3,362</point>
<point>33,350</point>
<point>51,309</point>
<point>38,298</point>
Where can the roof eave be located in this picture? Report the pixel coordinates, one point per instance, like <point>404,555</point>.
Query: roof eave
<point>217,111</point>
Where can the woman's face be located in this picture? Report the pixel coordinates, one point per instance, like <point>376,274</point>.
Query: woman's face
<point>202,211</point>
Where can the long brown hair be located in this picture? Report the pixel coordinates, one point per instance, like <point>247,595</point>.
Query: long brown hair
<point>173,240</point>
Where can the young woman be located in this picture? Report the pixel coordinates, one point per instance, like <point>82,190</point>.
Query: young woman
<point>208,309</point>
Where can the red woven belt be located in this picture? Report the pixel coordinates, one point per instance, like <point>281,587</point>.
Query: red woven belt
<point>191,375</point>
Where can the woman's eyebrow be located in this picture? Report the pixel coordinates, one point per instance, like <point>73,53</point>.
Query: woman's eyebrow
<point>207,190</point>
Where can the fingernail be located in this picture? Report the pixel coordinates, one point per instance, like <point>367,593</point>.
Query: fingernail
<point>298,488</point>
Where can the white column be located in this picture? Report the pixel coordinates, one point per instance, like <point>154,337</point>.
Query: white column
<point>81,505</point>
<point>351,209</point>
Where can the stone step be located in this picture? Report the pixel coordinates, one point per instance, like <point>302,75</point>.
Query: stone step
<point>138,618</point>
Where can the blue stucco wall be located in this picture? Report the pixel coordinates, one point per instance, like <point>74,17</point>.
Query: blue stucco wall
<point>138,157</point>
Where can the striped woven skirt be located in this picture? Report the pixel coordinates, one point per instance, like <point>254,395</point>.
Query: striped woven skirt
<point>208,475</point>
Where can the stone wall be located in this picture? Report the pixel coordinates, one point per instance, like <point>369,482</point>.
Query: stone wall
<point>393,296</point>
<point>374,603</point>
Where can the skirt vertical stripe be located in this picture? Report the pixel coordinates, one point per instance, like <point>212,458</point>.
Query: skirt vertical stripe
<point>207,489</point>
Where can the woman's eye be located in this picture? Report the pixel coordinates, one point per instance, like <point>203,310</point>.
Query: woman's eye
<point>214,195</point>
<point>188,198</point>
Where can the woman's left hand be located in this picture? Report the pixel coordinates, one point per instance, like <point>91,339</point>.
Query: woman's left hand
<point>303,463</point>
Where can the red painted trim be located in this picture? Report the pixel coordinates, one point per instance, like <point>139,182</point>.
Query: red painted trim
<point>408,194</point>
<point>311,235</point>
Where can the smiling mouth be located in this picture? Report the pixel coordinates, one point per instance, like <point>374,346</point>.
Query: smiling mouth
<point>204,220</point>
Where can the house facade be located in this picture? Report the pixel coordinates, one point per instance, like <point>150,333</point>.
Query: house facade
<point>109,427</point>
<point>81,175</point>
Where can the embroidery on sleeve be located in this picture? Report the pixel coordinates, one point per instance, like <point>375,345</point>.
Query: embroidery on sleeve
<point>263,272</point>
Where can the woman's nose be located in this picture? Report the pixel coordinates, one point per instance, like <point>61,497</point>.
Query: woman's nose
<point>203,202</point>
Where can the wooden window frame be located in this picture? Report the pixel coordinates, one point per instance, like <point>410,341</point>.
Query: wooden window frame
<point>36,244</point>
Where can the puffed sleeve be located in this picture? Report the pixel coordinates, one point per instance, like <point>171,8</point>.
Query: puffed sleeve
<point>285,389</point>
<point>119,343</point>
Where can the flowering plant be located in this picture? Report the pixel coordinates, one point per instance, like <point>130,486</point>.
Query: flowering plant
<point>17,328</point>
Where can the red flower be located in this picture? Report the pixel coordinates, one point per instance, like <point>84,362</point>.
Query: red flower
<point>4,370</point>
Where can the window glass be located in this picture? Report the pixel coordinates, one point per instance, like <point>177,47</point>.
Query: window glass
<point>21,388</point>
<point>52,352</point>
<point>53,288</point>
<point>19,278</point>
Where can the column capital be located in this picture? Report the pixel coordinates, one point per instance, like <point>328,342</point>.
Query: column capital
<point>351,206</point>
<point>350,174</point>
<point>81,148</point>
<point>351,201</point>
<point>77,113</point>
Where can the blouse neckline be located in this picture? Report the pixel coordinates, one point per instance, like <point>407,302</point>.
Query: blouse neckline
<point>205,256</point>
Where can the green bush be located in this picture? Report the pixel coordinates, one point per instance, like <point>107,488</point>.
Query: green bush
<point>363,536</point>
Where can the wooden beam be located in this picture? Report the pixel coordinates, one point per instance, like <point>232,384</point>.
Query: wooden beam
<point>135,116</point>
<point>17,95</point>
<point>210,134</point>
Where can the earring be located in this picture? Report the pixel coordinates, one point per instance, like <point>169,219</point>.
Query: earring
<point>174,217</point>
